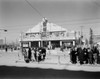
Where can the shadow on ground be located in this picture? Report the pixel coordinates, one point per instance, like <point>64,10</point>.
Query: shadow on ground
<point>37,73</point>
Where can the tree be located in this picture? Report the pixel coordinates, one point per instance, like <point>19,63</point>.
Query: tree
<point>91,37</point>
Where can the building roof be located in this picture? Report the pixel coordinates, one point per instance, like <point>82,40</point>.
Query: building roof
<point>50,28</point>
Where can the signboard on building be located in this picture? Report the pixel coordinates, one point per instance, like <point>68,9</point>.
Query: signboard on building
<point>25,45</point>
<point>44,27</point>
<point>45,24</point>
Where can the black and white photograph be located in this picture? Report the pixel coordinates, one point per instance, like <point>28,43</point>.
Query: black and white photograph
<point>49,39</point>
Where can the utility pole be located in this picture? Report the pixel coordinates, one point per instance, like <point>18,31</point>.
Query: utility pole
<point>5,41</point>
<point>41,45</point>
<point>91,37</point>
<point>81,31</point>
<point>75,37</point>
<point>81,35</point>
<point>21,42</point>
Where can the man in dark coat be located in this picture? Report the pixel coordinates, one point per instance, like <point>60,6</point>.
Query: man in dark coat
<point>98,57</point>
<point>42,53</point>
<point>6,49</point>
<point>85,55</point>
<point>25,53</point>
<point>95,54</point>
<point>80,55</point>
<point>73,56</point>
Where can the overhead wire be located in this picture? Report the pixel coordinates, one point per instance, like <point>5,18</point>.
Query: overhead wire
<point>34,8</point>
<point>61,22</point>
<point>79,23</point>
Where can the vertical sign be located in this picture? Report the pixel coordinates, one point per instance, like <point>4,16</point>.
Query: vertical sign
<point>44,27</point>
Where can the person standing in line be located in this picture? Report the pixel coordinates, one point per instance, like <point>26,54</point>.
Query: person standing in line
<point>90,55</point>
<point>73,56</point>
<point>44,53</point>
<point>98,57</point>
<point>35,50</point>
<point>11,49</point>
<point>6,49</point>
<point>32,54</point>
<point>95,54</point>
<point>25,54</point>
<point>29,53</point>
<point>80,55</point>
<point>85,55</point>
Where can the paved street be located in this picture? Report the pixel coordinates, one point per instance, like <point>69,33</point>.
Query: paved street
<point>13,72</point>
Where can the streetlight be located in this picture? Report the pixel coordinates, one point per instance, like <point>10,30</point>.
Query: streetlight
<point>4,30</point>
<point>81,35</point>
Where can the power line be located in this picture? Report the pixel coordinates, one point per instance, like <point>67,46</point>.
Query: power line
<point>34,8</point>
<point>59,22</point>
<point>77,20</point>
<point>16,26</point>
<point>66,23</point>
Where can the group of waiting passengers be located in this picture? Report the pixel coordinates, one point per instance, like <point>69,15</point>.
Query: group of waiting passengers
<point>38,54</point>
<point>85,55</point>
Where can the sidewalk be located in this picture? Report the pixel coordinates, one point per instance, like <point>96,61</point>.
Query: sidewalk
<point>59,62</point>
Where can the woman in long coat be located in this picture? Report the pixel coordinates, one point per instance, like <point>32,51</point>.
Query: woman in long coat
<point>29,53</point>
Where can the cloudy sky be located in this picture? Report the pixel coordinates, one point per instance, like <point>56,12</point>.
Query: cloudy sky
<point>17,16</point>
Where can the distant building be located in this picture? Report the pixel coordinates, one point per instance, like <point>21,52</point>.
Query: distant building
<point>1,41</point>
<point>48,34</point>
<point>96,39</point>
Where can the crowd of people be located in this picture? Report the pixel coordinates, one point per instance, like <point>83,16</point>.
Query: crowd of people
<point>34,54</point>
<point>85,55</point>
<point>78,54</point>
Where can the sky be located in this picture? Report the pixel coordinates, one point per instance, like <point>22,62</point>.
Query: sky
<point>17,16</point>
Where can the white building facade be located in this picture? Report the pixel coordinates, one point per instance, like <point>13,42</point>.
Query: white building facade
<point>48,34</point>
